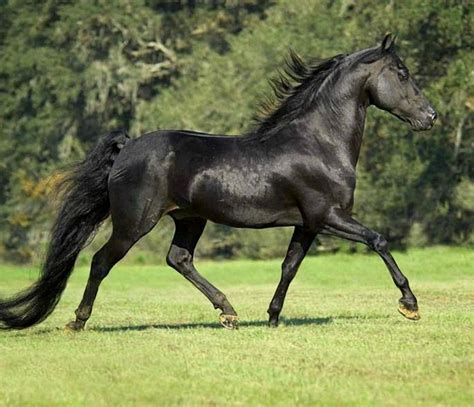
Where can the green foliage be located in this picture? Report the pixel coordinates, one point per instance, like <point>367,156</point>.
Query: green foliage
<point>71,71</point>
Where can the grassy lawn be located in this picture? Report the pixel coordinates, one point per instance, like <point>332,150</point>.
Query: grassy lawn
<point>153,339</point>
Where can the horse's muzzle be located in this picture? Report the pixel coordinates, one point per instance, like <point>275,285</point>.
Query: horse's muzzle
<point>427,123</point>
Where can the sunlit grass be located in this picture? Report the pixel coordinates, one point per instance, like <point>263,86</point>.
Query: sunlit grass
<point>153,339</point>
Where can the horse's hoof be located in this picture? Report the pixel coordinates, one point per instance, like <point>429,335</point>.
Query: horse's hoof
<point>74,326</point>
<point>273,323</point>
<point>408,313</point>
<point>229,321</point>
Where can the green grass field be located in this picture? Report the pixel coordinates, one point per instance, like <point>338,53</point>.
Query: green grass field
<point>154,339</point>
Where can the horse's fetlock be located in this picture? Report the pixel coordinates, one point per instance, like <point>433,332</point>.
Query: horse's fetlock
<point>403,282</point>
<point>84,313</point>
<point>274,309</point>
<point>409,303</point>
<point>220,298</point>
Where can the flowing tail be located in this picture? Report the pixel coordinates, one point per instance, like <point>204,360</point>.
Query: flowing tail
<point>85,205</point>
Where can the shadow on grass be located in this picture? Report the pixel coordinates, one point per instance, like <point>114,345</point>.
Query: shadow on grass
<point>212,325</point>
<point>206,325</point>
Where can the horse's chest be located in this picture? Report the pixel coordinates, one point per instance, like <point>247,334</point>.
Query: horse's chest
<point>334,184</point>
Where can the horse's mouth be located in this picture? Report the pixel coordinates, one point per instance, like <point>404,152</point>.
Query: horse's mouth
<point>416,124</point>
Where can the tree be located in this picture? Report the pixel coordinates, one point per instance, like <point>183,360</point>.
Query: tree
<point>71,71</point>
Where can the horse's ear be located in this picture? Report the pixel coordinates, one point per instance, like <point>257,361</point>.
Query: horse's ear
<point>388,42</point>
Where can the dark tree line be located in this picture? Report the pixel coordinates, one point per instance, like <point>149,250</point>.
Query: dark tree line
<point>71,71</point>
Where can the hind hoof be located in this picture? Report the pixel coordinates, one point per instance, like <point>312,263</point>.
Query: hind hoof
<point>273,322</point>
<point>74,326</point>
<point>414,315</point>
<point>229,321</point>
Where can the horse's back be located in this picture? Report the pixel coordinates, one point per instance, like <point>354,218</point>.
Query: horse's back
<point>165,162</point>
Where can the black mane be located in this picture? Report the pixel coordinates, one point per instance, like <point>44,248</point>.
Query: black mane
<point>296,88</point>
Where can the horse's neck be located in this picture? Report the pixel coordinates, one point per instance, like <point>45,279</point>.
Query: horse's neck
<point>336,123</point>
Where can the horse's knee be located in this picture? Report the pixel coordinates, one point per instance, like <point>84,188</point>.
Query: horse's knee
<point>179,259</point>
<point>379,244</point>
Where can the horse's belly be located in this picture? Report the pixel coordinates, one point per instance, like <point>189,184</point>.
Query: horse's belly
<point>241,197</point>
<point>248,216</point>
<point>249,207</point>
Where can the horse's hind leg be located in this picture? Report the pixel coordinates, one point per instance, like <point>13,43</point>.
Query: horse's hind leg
<point>180,257</point>
<point>299,245</point>
<point>114,250</point>
<point>131,219</point>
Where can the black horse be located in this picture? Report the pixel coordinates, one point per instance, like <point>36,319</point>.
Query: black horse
<point>296,168</point>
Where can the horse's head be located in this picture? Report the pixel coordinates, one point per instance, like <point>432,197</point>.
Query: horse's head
<point>391,88</point>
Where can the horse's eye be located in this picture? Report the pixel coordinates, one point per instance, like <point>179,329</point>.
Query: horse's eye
<point>403,75</point>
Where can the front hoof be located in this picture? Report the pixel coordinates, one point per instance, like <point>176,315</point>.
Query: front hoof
<point>412,314</point>
<point>229,321</point>
<point>74,326</point>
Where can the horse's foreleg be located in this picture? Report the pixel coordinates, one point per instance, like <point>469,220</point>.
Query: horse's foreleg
<point>180,257</point>
<point>343,225</point>
<point>299,245</point>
